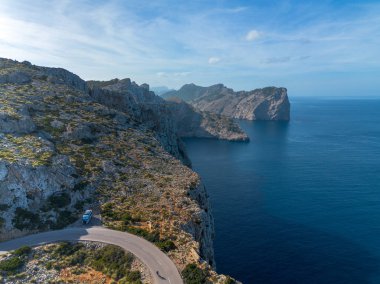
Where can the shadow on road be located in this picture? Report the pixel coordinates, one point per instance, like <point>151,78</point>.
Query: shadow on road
<point>69,234</point>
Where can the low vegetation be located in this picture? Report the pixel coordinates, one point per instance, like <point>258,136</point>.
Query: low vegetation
<point>59,200</point>
<point>25,219</point>
<point>73,259</point>
<point>192,274</point>
<point>11,265</point>
<point>22,251</point>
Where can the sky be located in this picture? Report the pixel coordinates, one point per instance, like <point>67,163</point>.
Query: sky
<point>313,48</point>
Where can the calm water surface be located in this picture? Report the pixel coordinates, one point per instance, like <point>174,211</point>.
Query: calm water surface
<point>300,203</point>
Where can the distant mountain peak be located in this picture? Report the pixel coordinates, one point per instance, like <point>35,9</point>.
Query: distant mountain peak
<point>159,90</point>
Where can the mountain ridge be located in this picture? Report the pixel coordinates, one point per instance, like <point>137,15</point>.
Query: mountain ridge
<point>269,103</point>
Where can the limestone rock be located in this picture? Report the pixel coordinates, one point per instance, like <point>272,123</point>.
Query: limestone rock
<point>16,121</point>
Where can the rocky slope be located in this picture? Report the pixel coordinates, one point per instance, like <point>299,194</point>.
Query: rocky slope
<point>66,144</point>
<point>261,104</point>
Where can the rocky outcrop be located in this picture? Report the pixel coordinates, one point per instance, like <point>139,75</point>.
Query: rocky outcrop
<point>16,121</point>
<point>269,103</point>
<point>62,76</point>
<point>14,72</point>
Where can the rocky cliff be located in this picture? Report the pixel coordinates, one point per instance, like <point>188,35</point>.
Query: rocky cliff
<point>261,104</point>
<point>66,145</point>
<point>169,120</point>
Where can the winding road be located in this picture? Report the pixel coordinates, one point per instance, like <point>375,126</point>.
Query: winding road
<point>161,267</point>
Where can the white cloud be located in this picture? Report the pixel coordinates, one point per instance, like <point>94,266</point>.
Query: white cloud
<point>252,35</point>
<point>235,10</point>
<point>118,39</point>
<point>214,60</point>
<point>161,74</point>
<point>172,74</point>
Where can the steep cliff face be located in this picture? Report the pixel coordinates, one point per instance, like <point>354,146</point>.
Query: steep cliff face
<point>261,104</point>
<point>195,123</point>
<point>66,144</point>
<point>144,107</point>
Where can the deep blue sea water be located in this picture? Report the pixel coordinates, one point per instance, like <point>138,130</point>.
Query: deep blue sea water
<point>300,203</point>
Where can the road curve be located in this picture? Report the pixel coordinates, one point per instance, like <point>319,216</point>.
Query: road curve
<point>149,254</point>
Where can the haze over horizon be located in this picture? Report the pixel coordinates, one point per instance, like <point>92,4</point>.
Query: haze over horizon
<point>324,48</point>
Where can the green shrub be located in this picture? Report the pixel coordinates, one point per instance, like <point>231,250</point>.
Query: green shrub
<point>78,257</point>
<point>107,211</point>
<point>133,277</point>
<point>11,265</point>
<point>64,218</point>
<point>126,217</point>
<point>24,250</point>
<point>152,237</point>
<point>80,186</point>
<point>59,200</point>
<point>192,274</point>
<point>166,245</point>
<point>113,261</point>
<point>49,265</point>
<point>67,248</point>
<point>25,219</point>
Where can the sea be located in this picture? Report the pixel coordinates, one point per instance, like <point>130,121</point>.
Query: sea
<point>299,203</point>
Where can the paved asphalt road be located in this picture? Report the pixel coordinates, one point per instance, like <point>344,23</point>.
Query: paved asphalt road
<point>149,254</point>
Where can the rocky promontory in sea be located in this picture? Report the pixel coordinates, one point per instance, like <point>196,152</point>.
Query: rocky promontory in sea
<point>114,146</point>
<point>269,103</point>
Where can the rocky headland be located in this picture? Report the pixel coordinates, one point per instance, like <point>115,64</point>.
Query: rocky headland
<point>67,144</point>
<point>269,103</point>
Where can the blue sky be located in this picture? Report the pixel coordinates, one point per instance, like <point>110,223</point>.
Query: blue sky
<point>310,47</point>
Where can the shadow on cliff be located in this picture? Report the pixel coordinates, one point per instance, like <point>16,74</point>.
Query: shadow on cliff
<point>276,251</point>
